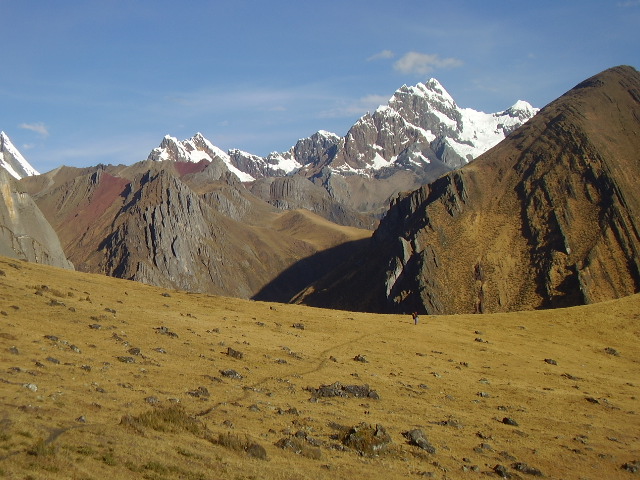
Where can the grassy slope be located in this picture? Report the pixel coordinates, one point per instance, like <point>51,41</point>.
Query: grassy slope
<point>428,376</point>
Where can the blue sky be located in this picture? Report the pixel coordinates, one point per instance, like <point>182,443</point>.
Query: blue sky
<point>88,82</point>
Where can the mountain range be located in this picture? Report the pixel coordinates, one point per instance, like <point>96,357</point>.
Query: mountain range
<point>489,212</point>
<point>550,217</point>
<point>420,134</point>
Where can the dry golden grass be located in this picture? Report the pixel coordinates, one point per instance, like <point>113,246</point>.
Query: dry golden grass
<point>104,378</point>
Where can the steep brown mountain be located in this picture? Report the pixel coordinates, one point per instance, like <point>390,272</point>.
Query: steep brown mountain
<point>550,217</point>
<point>186,226</point>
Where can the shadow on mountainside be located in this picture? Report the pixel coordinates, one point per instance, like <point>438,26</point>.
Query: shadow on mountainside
<point>309,270</point>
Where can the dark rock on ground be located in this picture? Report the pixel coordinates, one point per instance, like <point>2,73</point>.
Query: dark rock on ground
<point>231,374</point>
<point>418,438</point>
<point>338,390</point>
<point>633,467</point>
<point>501,471</point>
<point>524,468</point>
<point>234,353</point>
<point>199,392</point>
<point>165,331</point>
<point>367,439</point>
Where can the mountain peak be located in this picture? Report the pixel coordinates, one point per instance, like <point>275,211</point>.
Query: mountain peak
<point>521,110</point>
<point>434,84</point>
<point>432,91</point>
<point>195,149</point>
<point>12,160</point>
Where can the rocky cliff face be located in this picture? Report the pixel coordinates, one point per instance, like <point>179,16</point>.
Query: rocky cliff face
<point>24,231</point>
<point>168,236</point>
<point>295,192</point>
<point>548,218</point>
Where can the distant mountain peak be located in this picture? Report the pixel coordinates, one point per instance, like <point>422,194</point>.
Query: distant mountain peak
<point>432,91</point>
<point>12,160</point>
<point>194,149</point>
<point>521,110</point>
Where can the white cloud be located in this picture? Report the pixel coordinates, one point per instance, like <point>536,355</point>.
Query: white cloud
<point>384,54</point>
<point>423,63</point>
<point>630,3</point>
<point>357,107</point>
<point>40,128</point>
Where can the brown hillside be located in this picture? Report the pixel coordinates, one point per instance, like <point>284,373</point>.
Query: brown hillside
<point>189,226</point>
<point>548,218</point>
<point>104,378</point>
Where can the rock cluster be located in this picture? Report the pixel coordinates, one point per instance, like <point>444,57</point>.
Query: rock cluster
<point>337,389</point>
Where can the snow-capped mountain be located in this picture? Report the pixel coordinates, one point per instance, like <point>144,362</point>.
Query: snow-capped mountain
<point>12,160</point>
<point>420,124</point>
<point>195,149</point>
<point>419,135</point>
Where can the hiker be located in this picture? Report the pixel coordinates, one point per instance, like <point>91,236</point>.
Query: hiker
<point>414,315</point>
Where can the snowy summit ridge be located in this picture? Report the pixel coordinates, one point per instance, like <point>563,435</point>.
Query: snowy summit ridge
<point>12,160</point>
<point>420,125</point>
<point>194,149</point>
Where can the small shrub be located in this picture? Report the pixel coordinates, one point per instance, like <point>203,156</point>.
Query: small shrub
<point>109,458</point>
<point>42,449</point>
<point>242,444</point>
<point>186,453</point>
<point>299,447</point>
<point>85,450</point>
<point>156,467</point>
<point>172,419</point>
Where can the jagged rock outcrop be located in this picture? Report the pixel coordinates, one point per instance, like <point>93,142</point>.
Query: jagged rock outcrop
<point>166,235</point>
<point>24,231</point>
<point>548,218</point>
